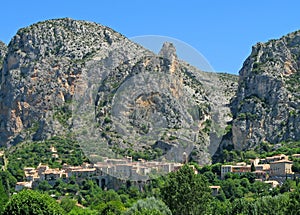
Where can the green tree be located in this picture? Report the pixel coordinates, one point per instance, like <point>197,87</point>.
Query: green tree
<point>252,167</point>
<point>221,196</point>
<point>205,169</point>
<point>287,186</point>
<point>211,177</point>
<point>8,181</point>
<point>98,200</point>
<point>134,192</point>
<point>244,182</point>
<point>221,208</point>
<point>110,195</point>
<point>216,168</point>
<point>186,193</point>
<point>243,206</point>
<point>29,202</point>
<point>149,206</point>
<point>272,205</point>
<point>232,188</point>
<point>3,196</point>
<point>260,188</point>
<point>250,176</point>
<point>293,206</point>
<point>44,186</point>
<point>296,166</point>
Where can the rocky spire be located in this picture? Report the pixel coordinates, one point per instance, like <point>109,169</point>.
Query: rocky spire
<point>168,51</point>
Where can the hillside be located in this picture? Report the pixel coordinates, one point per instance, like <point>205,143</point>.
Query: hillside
<point>75,78</point>
<point>265,108</point>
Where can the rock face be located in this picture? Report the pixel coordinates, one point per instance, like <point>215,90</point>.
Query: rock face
<point>43,63</point>
<point>3,51</point>
<point>266,106</point>
<point>67,77</point>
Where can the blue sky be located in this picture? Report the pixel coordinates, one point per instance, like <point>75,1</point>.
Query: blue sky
<point>223,31</point>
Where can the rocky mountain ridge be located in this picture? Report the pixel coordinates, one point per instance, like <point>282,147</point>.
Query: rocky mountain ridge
<point>40,70</point>
<point>67,77</point>
<point>266,106</point>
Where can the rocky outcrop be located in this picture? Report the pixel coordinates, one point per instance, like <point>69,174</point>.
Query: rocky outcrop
<point>68,77</point>
<point>43,63</point>
<point>168,51</point>
<point>266,106</point>
<point>3,51</point>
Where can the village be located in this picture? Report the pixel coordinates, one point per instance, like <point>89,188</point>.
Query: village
<point>109,174</point>
<point>273,170</point>
<point>113,173</point>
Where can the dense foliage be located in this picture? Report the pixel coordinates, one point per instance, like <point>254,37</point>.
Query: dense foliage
<point>3,196</point>
<point>33,153</point>
<point>180,192</point>
<point>262,150</point>
<point>29,202</point>
<point>186,192</point>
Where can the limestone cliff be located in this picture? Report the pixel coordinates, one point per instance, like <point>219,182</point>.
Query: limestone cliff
<point>68,77</point>
<point>3,51</point>
<point>43,63</point>
<point>266,105</point>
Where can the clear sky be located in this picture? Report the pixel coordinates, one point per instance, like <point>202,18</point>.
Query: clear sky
<point>223,31</point>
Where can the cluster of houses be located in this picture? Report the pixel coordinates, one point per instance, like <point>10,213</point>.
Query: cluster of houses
<point>273,170</point>
<point>135,170</point>
<point>43,172</point>
<point>110,173</point>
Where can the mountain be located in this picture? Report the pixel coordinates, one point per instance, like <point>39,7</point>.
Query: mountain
<point>65,77</point>
<point>41,67</point>
<point>266,106</point>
